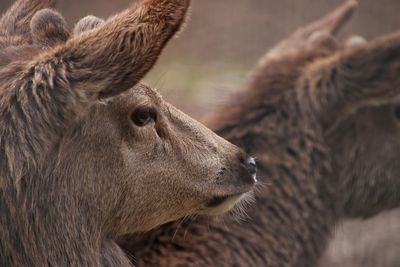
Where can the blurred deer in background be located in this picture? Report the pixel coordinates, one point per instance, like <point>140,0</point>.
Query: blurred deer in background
<point>322,120</point>
<point>87,156</point>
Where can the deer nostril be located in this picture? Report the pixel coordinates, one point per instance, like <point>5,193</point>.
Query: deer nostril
<point>251,166</point>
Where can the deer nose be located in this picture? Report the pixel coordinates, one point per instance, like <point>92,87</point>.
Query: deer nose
<point>251,166</point>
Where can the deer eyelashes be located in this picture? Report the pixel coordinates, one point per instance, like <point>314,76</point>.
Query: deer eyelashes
<point>143,116</point>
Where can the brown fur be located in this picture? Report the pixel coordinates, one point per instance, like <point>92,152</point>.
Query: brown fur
<point>79,167</point>
<point>325,153</point>
<point>88,23</point>
<point>48,28</point>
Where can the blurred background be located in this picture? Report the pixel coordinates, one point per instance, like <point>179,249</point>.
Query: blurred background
<point>225,38</point>
<point>221,42</point>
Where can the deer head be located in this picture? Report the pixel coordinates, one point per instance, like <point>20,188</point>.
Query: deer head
<point>93,154</point>
<point>351,88</point>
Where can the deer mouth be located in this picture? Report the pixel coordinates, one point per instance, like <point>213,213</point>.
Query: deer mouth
<point>221,203</point>
<point>232,190</point>
<point>220,200</point>
<point>230,199</point>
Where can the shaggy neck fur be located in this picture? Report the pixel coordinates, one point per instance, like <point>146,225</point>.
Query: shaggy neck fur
<point>67,233</point>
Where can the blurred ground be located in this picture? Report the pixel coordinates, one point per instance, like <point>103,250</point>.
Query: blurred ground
<point>222,41</point>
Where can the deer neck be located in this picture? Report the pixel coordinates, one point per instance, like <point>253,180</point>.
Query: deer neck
<point>51,235</point>
<point>53,245</point>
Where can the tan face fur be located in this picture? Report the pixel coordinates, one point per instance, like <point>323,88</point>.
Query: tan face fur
<point>167,169</point>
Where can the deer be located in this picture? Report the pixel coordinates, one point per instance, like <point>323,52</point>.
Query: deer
<point>87,152</point>
<point>322,119</point>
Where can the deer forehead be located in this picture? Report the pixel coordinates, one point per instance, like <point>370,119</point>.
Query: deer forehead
<point>139,95</point>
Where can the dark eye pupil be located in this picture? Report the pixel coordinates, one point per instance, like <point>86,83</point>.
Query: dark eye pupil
<point>144,116</point>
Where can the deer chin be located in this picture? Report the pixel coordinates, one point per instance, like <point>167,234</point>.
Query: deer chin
<point>221,204</point>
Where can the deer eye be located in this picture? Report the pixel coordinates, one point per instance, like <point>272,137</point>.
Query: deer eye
<point>143,116</point>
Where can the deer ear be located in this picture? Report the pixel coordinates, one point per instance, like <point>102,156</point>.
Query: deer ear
<point>330,25</point>
<point>17,19</point>
<point>48,28</point>
<point>318,36</point>
<point>367,75</point>
<point>88,23</point>
<point>113,58</point>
